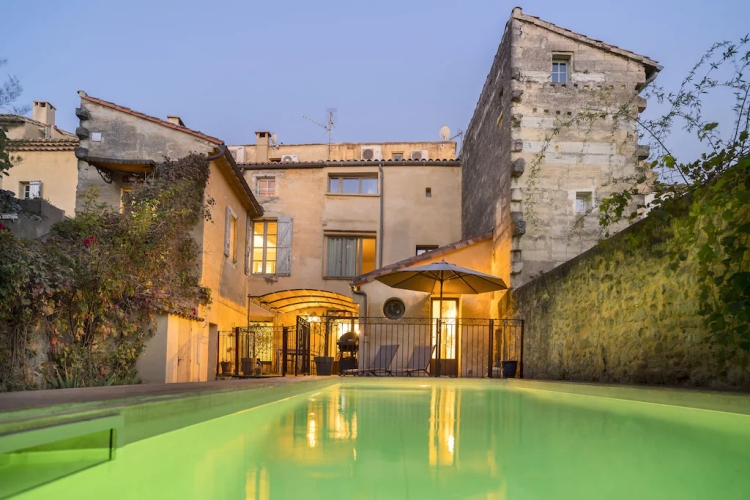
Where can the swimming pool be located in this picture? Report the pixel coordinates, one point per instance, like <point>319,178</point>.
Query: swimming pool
<point>426,438</point>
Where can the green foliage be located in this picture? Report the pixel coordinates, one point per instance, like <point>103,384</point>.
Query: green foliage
<point>710,197</point>
<point>90,291</point>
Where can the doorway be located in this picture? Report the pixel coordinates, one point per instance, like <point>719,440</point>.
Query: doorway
<point>448,337</point>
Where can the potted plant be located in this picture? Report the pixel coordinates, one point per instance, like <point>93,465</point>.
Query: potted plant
<point>509,368</point>
<point>226,363</point>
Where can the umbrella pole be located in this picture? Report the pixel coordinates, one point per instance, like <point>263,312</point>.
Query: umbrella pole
<point>439,331</point>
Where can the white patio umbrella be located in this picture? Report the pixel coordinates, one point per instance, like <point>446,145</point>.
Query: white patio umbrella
<point>449,277</point>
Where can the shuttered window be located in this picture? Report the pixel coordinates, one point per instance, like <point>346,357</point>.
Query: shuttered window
<point>230,234</point>
<point>284,251</point>
<point>271,251</point>
<point>349,256</point>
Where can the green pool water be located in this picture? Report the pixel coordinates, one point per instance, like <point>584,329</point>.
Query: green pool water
<point>433,440</point>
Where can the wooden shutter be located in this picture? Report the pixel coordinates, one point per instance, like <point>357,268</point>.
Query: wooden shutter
<point>284,247</point>
<point>227,231</point>
<point>248,235</point>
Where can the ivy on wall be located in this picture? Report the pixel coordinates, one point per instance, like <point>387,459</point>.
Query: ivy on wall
<point>77,307</point>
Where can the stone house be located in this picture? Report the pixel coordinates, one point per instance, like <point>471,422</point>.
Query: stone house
<point>326,222</point>
<point>553,127</point>
<point>117,145</point>
<point>47,166</point>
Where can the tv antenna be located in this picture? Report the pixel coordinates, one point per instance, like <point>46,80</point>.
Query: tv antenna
<point>274,142</point>
<point>445,135</point>
<point>328,127</point>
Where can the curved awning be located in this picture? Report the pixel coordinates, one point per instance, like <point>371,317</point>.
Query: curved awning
<point>294,300</point>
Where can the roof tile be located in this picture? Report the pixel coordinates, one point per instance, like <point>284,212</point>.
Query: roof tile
<point>153,119</point>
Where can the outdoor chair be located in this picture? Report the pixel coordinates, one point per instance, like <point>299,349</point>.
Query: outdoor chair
<point>380,364</point>
<point>419,360</point>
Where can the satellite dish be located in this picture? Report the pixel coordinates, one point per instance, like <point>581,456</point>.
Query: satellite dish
<point>274,138</point>
<point>445,133</point>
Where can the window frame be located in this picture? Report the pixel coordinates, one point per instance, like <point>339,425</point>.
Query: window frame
<point>359,237</point>
<point>588,202</point>
<point>426,248</point>
<point>264,262</point>
<point>560,59</point>
<point>340,184</point>
<point>400,155</point>
<point>26,186</point>
<point>265,178</point>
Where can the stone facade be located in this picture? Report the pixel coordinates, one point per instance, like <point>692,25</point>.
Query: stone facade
<point>533,146</point>
<point>400,216</point>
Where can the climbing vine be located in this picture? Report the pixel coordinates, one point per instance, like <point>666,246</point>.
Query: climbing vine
<point>711,193</point>
<point>77,307</point>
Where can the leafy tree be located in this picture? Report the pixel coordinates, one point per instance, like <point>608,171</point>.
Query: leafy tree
<point>10,90</point>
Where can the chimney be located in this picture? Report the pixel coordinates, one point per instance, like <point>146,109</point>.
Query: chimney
<point>261,146</point>
<point>45,112</point>
<point>176,120</point>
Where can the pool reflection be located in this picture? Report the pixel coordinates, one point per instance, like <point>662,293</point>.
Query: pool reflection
<point>437,440</point>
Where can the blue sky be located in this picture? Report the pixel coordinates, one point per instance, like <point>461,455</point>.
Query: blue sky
<point>395,70</point>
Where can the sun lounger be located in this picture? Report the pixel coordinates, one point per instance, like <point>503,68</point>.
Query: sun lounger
<point>380,364</point>
<point>419,360</point>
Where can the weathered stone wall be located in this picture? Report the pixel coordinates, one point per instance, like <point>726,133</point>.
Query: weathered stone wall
<point>563,157</point>
<point>612,314</point>
<point>127,137</point>
<point>525,156</point>
<point>485,155</point>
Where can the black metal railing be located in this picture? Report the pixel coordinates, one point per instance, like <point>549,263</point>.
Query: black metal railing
<point>464,347</point>
<point>248,351</point>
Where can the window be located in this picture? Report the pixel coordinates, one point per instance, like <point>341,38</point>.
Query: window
<point>398,156</point>
<point>230,235</point>
<point>353,185</point>
<point>428,192</point>
<point>124,191</point>
<point>350,256</point>
<point>425,248</point>
<point>583,202</point>
<point>31,190</point>
<point>266,186</point>
<point>264,247</point>
<point>560,69</point>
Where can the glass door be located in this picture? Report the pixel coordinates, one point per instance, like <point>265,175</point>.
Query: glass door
<point>449,326</point>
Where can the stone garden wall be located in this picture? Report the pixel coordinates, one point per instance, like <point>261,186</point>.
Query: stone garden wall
<point>613,314</point>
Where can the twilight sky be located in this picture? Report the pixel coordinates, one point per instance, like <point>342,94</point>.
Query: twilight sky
<point>395,70</point>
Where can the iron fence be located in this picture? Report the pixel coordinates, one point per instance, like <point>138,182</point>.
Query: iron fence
<point>461,347</point>
<point>248,351</point>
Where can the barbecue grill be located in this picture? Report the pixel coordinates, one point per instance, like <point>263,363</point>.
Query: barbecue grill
<point>348,348</point>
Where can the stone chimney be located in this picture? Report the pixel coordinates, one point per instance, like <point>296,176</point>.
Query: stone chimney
<point>176,120</point>
<point>45,112</point>
<point>261,146</point>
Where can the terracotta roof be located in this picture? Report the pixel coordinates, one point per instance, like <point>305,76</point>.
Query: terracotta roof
<point>343,163</point>
<point>43,145</point>
<point>19,118</point>
<point>614,49</point>
<point>153,119</point>
<point>366,278</point>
